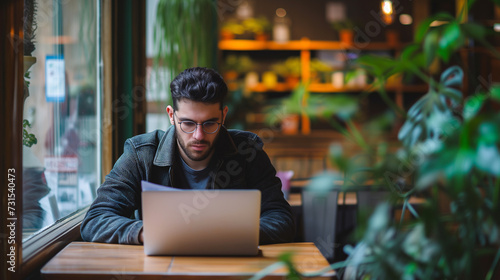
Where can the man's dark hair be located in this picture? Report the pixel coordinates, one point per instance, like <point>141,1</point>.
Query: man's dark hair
<point>198,84</point>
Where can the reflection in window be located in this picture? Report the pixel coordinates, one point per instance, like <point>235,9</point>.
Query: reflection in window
<point>61,164</point>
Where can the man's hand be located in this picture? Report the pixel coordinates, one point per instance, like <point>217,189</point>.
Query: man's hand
<point>141,237</point>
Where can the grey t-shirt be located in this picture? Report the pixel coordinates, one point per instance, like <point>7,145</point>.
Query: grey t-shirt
<point>195,179</point>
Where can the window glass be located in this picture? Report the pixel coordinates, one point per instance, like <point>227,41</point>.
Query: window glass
<point>157,89</point>
<point>61,141</point>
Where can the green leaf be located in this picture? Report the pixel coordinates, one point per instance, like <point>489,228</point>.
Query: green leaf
<point>489,131</point>
<point>426,25</point>
<point>451,39</point>
<point>422,30</point>
<point>488,159</point>
<point>452,77</point>
<point>323,183</point>
<point>474,30</point>
<point>430,46</point>
<point>495,92</point>
<point>376,65</point>
<point>472,106</point>
<point>409,51</point>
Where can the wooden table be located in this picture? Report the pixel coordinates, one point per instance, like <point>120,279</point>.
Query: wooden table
<point>84,260</point>
<point>295,199</point>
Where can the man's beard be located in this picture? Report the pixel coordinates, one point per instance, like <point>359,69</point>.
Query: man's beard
<point>193,155</point>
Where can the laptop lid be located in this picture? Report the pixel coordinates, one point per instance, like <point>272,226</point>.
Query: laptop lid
<point>200,222</point>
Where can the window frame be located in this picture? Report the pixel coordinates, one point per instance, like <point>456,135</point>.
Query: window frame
<point>34,252</point>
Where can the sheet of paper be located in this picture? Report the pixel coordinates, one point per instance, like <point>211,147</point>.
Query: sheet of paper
<point>147,186</point>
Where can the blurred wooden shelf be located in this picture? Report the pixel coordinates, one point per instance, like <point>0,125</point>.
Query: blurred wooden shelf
<point>403,88</point>
<point>325,88</point>
<point>305,47</point>
<point>279,87</point>
<point>298,45</point>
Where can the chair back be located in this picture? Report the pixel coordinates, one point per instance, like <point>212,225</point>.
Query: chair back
<point>320,215</point>
<point>369,199</point>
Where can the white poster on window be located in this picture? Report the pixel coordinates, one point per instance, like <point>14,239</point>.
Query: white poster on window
<point>54,78</point>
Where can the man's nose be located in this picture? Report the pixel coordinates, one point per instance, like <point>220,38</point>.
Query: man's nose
<point>199,134</point>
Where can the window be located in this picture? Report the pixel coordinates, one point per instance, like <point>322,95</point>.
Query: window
<point>61,143</point>
<point>157,86</point>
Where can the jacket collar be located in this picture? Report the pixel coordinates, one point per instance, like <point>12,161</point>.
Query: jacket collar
<point>167,148</point>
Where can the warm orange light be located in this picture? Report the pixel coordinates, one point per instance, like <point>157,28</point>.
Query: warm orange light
<point>387,7</point>
<point>387,11</point>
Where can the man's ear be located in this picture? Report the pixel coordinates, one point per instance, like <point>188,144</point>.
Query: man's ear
<point>224,113</point>
<point>170,113</point>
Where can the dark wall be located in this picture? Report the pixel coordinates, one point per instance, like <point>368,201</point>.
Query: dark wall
<point>309,17</point>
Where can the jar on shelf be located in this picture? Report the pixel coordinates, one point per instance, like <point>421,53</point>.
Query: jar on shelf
<point>281,27</point>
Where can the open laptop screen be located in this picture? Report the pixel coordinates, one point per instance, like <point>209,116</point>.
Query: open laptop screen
<point>200,222</point>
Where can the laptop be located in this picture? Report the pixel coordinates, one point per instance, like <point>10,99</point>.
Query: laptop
<point>200,222</point>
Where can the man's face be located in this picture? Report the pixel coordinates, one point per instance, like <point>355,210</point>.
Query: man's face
<point>196,147</point>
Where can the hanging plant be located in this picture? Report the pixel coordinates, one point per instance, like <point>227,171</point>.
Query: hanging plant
<point>29,139</point>
<point>185,35</point>
<point>29,28</point>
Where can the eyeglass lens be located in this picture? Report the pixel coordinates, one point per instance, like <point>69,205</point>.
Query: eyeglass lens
<point>208,127</point>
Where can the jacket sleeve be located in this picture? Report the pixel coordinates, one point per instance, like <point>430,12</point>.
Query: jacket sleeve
<point>277,224</point>
<point>110,217</point>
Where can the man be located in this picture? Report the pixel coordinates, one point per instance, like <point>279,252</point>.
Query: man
<point>195,152</point>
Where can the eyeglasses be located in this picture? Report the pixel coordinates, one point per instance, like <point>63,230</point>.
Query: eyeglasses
<point>209,127</point>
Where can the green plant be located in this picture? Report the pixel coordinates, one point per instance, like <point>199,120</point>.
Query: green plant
<point>451,157</point>
<point>233,27</point>
<point>29,139</point>
<point>258,25</point>
<point>343,25</point>
<point>318,106</point>
<point>29,26</point>
<point>289,67</point>
<point>184,36</point>
<point>319,66</point>
<point>448,154</point>
<point>238,63</point>
<point>29,30</point>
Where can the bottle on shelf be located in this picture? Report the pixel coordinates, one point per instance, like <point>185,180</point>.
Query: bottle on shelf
<point>281,28</point>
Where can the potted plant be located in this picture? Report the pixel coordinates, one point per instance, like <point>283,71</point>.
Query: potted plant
<point>301,102</point>
<point>260,27</point>
<point>230,29</point>
<point>236,65</point>
<point>345,31</point>
<point>290,70</point>
<point>287,111</point>
<point>319,70</point>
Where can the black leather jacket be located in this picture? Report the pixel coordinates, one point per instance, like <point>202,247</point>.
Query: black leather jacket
<point>240,164</point>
